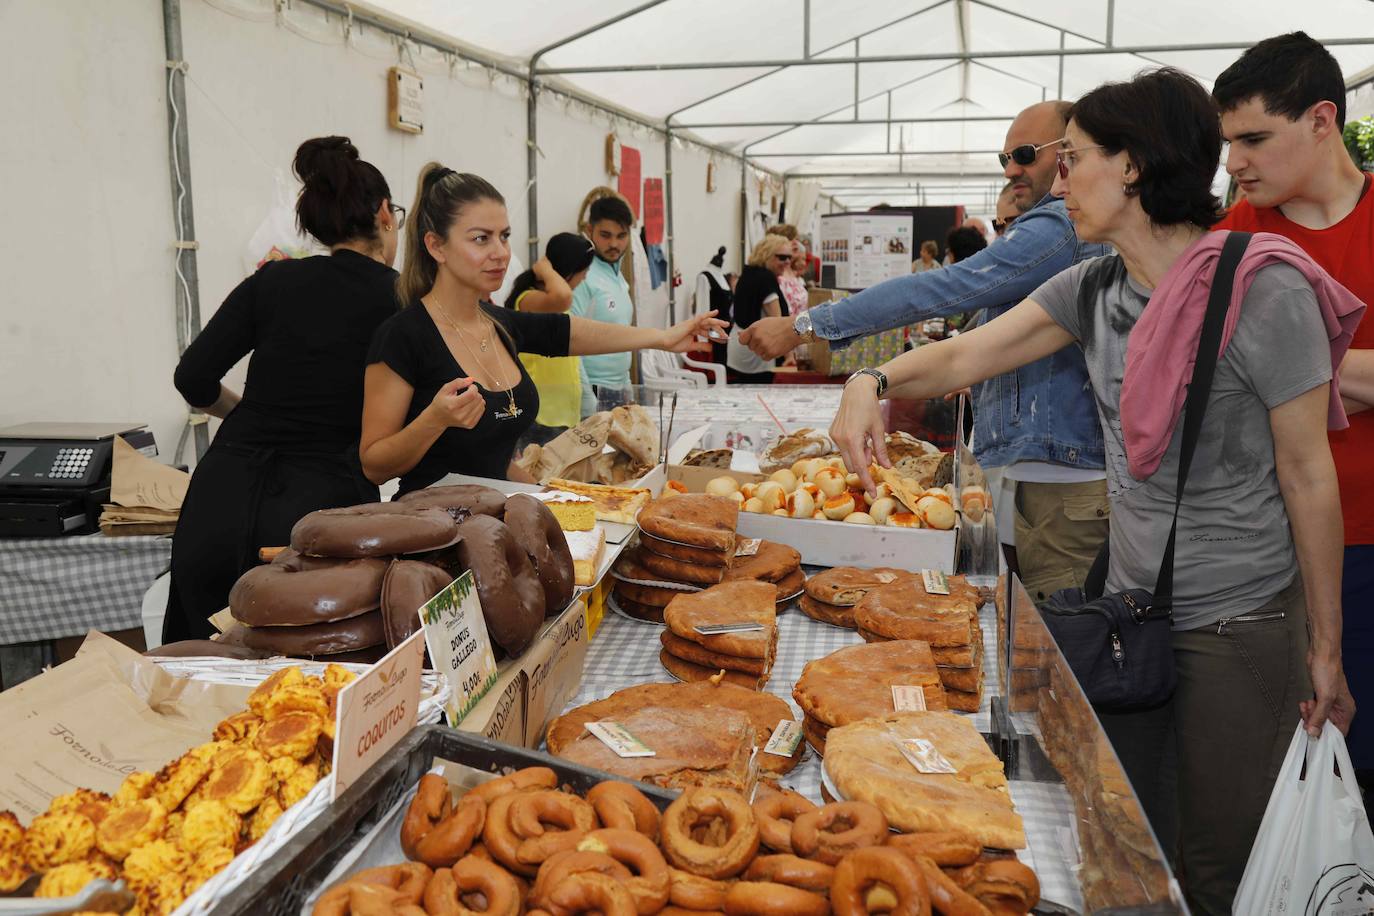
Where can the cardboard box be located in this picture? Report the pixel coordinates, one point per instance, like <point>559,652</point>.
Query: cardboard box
<point>534,687</point>
<point>820,541</point>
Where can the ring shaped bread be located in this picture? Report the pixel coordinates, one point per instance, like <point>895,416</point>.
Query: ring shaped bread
<point>536,528</point>
<point>460,499</point>
<point>295,590</point>
<point>512,597</point>
<point>408,584</point>
<point>373,530</point>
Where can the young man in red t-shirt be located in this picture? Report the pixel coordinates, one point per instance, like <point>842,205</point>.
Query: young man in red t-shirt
<point>1282,112</point>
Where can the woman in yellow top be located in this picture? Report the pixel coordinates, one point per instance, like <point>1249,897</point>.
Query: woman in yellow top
<point>548,287</point>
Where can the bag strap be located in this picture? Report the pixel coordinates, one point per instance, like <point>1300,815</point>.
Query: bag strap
<point>1199,389</point>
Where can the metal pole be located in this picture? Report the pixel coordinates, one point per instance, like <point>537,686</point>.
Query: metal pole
<point>932,56</point>
<point>948,119</point>
<point>183,214</point>
<point>806,28</point>
<point>754,79</point>
<point>668,220</point>
<point>1111,20</point>
<point>1060,94</point>
<point>532,167</point>
<point>921,152</point>
<point>856,79</point>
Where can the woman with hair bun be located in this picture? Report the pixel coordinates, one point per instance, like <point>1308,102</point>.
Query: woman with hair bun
<point>445,390</point>
<point>288,445</point>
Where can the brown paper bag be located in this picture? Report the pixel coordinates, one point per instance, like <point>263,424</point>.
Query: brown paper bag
<point>92,721</point>
<point>634,432</point>
<point>564,456</point>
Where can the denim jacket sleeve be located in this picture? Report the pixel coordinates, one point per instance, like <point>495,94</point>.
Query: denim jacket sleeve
<point>1038,245</point>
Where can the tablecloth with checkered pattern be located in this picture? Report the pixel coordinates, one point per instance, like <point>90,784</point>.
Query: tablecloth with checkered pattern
<point>56,587</point>
<point>624,652</point>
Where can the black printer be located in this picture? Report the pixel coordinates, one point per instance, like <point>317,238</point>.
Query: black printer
<point>54,477</point>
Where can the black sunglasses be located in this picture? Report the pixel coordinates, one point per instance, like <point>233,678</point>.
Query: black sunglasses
<point>783,257</point>
<point>1024,154</point>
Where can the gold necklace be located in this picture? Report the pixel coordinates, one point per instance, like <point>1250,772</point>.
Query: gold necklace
<point>513,410</point>
<point>482,344</point>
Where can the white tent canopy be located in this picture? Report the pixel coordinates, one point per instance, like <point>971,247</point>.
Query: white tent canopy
<point>923,127</point>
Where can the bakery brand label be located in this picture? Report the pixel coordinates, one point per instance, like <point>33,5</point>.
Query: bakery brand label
<point>459,647</point>
<point>716,629</point>
<point>616,737</point>
<point>936,582</point>
<point>886,578</point>
<point>376,710</point>
<point>786,737</point>
<point>921,754</point>
<point>907,698</point>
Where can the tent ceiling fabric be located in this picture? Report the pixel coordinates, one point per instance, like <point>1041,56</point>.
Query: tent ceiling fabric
<point>951,154</point>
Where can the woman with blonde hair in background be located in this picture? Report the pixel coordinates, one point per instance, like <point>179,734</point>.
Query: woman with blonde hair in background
<point>929,259</point>
<point>758,294</point>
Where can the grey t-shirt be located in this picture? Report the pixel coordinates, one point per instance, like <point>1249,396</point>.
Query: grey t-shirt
<point>1233,550</point>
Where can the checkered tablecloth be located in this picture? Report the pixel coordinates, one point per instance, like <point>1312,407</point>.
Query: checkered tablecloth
<point>624,652</point>
<point>56,587</point>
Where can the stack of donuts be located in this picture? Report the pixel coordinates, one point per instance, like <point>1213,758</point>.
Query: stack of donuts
<point>518,844</point>
<point>350,586</point>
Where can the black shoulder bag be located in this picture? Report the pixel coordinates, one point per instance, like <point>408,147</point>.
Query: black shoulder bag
<point>1118,645</point>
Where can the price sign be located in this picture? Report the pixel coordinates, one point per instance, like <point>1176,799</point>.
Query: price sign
<point>459,647</point>
<point>375,711</point>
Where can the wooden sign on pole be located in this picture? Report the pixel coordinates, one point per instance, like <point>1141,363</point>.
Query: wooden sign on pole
<point>405,100</point>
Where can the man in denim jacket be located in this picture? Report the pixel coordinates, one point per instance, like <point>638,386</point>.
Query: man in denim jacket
<point>1040,422</point>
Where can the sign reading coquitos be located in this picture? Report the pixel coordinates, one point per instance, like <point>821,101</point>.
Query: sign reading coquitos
<point>376,711</point>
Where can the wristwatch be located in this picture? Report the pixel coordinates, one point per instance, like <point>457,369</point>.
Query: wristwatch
<point>877,376</point>
<point>802,325</point>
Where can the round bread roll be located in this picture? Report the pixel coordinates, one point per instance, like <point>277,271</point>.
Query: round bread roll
<point>783,512</point>
<point>936,512</point>
<point>904,520</point>
<point>880,509</point>
<point>722,486</point>
<point>753,504</point>
<point>837,507</point>
<point>859,518</point>
<point>800,504</point>
<point>785,478</point>
<point>771,494</point>
<point>830,480</point>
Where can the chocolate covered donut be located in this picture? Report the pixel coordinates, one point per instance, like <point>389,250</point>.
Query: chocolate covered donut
<point>408,585</point>
<point>192,648</point>
<point>538,531</point>
<point>373,530</point>
<point>361,632</point>
<point>460,499</point>
<point>512,597</point>
<point>295,590</point>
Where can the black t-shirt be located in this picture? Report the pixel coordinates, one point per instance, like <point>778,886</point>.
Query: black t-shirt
<point>308,324</point>
<point>755,285</point>
<point>411,345</point>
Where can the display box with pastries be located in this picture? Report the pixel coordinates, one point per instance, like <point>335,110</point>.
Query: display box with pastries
<point>823,542</point>
<point>363,828</point>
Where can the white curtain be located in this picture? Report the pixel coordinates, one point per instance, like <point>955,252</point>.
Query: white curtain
<point>803,206</point>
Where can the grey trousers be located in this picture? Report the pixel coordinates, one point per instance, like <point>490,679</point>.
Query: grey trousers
<point>1205,763</point>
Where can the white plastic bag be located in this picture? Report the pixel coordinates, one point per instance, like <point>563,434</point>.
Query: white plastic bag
<point>277,238</point>
<point>1314,854</point>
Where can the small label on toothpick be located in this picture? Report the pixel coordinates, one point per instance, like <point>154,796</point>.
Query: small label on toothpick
<point>936,582</point>
<point>716,629</point>
<point>747,547</point>
<point>886,578</point>
<point>906,698</point>
<point>786,737</point>
<point>921,754</point>
<point>616,737</point>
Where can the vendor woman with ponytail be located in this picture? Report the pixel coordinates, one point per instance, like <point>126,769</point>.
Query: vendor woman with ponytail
<point>445,392</point>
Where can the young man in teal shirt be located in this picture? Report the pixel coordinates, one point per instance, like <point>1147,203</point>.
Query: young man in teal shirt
<point>605,296</point>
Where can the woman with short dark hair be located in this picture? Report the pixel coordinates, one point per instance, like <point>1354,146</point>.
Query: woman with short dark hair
<point>289,445</point>
<point>1259,536</point>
